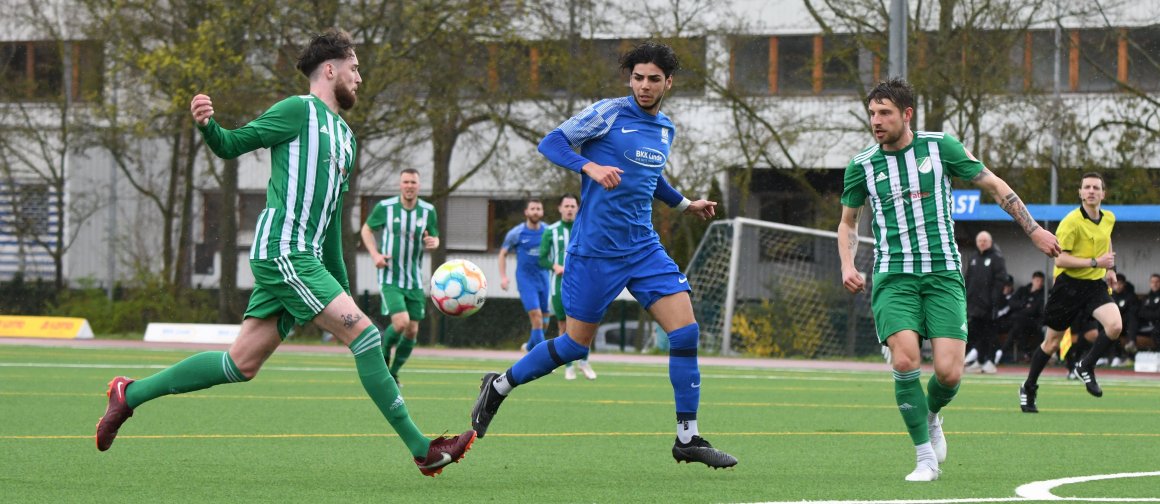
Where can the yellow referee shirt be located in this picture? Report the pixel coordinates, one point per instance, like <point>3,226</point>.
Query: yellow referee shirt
<point>1079,236</point>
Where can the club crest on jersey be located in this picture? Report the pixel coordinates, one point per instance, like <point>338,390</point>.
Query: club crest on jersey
<point>924,165</point>
<point>646,156</point>
<point>665,136</point>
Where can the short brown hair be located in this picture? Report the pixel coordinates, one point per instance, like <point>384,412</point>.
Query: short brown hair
<point>332,44</point>
<point>1092,174</point>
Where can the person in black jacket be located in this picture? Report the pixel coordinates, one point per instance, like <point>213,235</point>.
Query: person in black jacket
<point>1124,295</point>
<point>1149,314</point>
<point>1025,319</point>
<point>985,275</point>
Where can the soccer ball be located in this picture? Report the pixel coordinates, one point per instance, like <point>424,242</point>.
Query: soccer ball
<point>458,288</point>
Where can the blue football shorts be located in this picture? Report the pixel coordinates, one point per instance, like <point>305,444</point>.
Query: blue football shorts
<point>533,290</point>
<point>592,283</point>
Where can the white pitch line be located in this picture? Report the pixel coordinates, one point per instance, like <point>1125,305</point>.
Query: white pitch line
<point>1041,490</point>
<point>1035,491</point>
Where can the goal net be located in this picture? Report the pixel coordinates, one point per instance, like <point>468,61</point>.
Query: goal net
<point>775,290</point>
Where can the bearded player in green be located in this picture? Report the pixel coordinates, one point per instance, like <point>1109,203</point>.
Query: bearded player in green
<point>409,226</point>
<point>299,275</point>
<point>918,290</point>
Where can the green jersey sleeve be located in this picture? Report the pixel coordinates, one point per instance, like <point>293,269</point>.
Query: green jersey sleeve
<point>546,261</point>
<point>279,124</point>
<point>432,223</point>
<point>854,190</point>
<point>956,159</point>
<point>378,217</point>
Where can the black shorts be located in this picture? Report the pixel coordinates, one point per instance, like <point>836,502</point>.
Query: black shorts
<point>1070,296</point>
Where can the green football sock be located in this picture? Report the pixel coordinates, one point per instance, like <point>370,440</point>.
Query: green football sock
<point>372,371</point>
<point>939,395</point>
<point>912,404</point>
<point>389,341</point>
<point>199,371</point>
<point>402,354</point>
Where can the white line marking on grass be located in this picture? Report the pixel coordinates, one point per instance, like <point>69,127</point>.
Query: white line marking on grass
<point>1041,490</point>
<point>1035,491</point>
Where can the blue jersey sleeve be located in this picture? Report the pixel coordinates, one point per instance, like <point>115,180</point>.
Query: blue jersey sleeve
<point>667,193</point>
<point>591,123</point>
<point>512,239</point>
<point>555,147</point>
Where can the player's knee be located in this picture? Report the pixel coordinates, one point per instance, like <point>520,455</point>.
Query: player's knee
<point>686,338</point>
<point>949,376</point>
<point>1114,329</point>
<point>904,363</point>
<point>537,319</point>
<point>400,326</point>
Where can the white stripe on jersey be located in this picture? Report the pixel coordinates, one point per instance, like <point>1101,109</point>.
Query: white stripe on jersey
<point>324,217</point>
<point>597,126</point>
<point>942,205</point>
<point>388,247</point>
<point>311,175</point>
<point>900,213</point>
<point>883,252</point>
<point>291,197</point>
<point>864,155</point>
<point>919,215</point>
<point>262,234</point>
<point>406,247</point>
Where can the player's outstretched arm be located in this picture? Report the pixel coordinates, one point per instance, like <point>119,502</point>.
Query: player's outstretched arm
<point>852,279</point>
<point>279,124</point>
<point>368,239</point>
<point>1043,239</point>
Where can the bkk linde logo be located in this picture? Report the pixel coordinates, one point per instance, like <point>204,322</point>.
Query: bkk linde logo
<point>645,156</point>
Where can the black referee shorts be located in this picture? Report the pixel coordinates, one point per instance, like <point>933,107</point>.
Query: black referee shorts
<point>1069,296</point>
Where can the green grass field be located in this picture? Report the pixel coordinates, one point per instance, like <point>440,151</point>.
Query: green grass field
<point>304,431</point>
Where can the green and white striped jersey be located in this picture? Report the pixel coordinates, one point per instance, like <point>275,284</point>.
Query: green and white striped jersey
<point>553,248</point>
<point>311,157</point>
<point>403,239</point>
<point>910,195</point>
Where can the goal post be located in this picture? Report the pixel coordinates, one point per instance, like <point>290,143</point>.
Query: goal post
<point>775,290</point>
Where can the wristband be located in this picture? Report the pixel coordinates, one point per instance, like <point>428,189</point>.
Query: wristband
<point>684,204</point>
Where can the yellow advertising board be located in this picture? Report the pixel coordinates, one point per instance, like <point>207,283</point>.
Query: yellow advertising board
<point>18,326</point>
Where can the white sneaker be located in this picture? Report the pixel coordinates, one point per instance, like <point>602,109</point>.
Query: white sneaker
<point>523,348</point>
<point>1117,362</point>
<point>972,356</point>
<point>586,368</point>
<point>923,472</point>
<point>989,368</point>
<point>1102,361</point>
<point>999,355</point>
<point>974,367</point>
<point>938,441</point>
<point>570,372</point>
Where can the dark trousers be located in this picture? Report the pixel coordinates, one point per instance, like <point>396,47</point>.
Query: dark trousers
<point>981,334</point>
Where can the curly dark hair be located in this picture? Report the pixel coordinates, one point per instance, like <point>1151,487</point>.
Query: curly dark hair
<point>657,53</point>
<point>332,44</point>
<point>897,90</point>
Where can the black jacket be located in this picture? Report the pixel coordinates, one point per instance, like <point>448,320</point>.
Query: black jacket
<point>1129,306</point>
<point>1150,310</point>
<point>1027,304</point>
<point>985,275</point>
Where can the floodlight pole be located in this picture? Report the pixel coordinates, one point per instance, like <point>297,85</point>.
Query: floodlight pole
<point>899,10</point>
<point>1056,133</point>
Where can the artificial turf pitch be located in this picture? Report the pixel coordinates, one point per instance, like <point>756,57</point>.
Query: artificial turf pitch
<point>304,431</point>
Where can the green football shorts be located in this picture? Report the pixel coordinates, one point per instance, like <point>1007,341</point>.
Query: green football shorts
<point>398,300</point>
<point>556,303</point>
<point>295,287</point>
<point>932,304</point>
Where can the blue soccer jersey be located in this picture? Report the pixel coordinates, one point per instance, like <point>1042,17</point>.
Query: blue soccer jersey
<point>616,132</point>
<point>525,242</point>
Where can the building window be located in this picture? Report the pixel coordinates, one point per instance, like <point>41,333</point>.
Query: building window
<point>840,65</point>
<point>750,64</point>
<point>1098,55</point>
<point>795,65</point>
<point>28,224</point>
<point>1143,58</point>
<point>35,71</point>
<point>504,215</point>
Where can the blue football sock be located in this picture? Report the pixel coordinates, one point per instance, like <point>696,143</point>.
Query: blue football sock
<point>684,374</point>
<point>542,359</point>
<point>536,338</point>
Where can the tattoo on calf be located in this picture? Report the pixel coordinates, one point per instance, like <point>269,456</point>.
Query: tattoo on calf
<point>349,320</point>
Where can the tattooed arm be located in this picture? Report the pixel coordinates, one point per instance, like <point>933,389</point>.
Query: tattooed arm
<point>852,280</point>
<point>1010,202</point>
